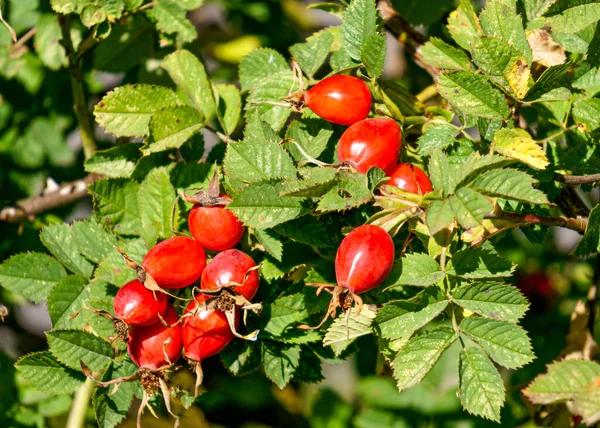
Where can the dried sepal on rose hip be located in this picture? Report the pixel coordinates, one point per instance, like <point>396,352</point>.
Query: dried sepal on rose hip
<point>154,349</point>
<point>363,260</point>
<point>205,331</point>
<point>213,226</point>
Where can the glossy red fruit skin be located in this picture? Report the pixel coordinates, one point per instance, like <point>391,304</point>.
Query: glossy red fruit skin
<point>364,258</point>
<point>343,100</point>
<point>215,228</point>
<point>231,266</point>
<point>371,142</point>
<point>206,332</point>
<point>145,346</point>
<point>136,305</point>
<point>410,178</point>
<point>175,262</point>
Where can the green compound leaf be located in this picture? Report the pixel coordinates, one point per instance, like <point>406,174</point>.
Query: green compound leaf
<point>440,54</point>
<point>116,203</point>
<point>563,381</point>
<point>439,215</point>
<point>280,362</point>
<point>416,269</point>
<point>43,371</point>
<point>126,111</point>
<point>156,200</point>
<point>469,207</point>
<point>472,95</point>
<point>341,334</point>
<point>492,300</point>
<point>171,127</point>
<point>258,65</point>
<point>170,16</point>
<point>481,389</point>
<point>480,263</point>
<point>111,406</point>
<point>116,162</point>
<point>32,275</point>
<point>419,355</point>
<point>190,76</point>
<point>509,184</point>
<point>311,55</point>
<point>59,240</point>
<point>506,343</point>
<point>93,241</point>
<point>66,299</point>
<point>72,346</point>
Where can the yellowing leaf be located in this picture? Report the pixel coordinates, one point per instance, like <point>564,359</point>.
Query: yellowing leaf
<point>518,144</point>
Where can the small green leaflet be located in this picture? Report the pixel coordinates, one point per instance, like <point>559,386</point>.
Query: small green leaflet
<point>311,54</point>
<point>419,356</point>
<point>440,54</point>
<point>59,240</point>
<point>66,299</point>
<point>590,243</point>
<point>241,357</point>
<point>112,404</point>
<point>171,18</point>
<point>586,113</point>
<point>43,371</point>
<point>436,136</point>
<point>229,106</point>
<point>492,300</point>
<point>171,127</point>
<point>72,346</point>
<point>341,334</point>
<point>284,312</point>
<point>93,241</point>
<point>156,200</point>
<point>439,215</point>
<point>415,269</point>
<point>280,362</point>
<point>116,203</point>
<point>259,65</point>
<point>571,16</point>
<point>469,207</point>
<point>481,389</point>
<point>506,343</point>
<point>509,184</point>
<point>479,263</point>
<point>116,162</point>
<point>463,25</point>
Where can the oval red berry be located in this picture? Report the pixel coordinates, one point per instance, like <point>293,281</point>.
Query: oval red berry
<point>232,266</point>
<point>364,258</point>
<point>175,262</point>
<point>136,305</point>
<point>215,228</point>
<point>371,143</point>
<point>343,100</point>
<point>410,178</point>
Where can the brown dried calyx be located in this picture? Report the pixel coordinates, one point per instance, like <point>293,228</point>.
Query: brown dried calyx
<point>209,197</point>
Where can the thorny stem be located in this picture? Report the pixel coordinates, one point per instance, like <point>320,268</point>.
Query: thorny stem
<point>578,224</point>
<point>80,106</point>
<point>80,405</point>
<point>577,179</point>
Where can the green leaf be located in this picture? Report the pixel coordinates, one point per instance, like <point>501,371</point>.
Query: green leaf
<point>400,319</point>
<point>259,65</point>
<point>374,52</point>
<point>189,75</point>
<point>589,82</point>
<point>284,312</point>
<point>351,190</point>
<point>358,26</point>
<point>415,269</point>
<point>254,159</point>
<point>463,25</point>
<point>534,9</point>
<point>481,389</point>
<point>228,106</point>
<point>43,371</point>
<point>439,171</point>
<point>47,42</point>
<point>280,362</point>
<point>170,17</point>
<point>480,263</point>
<point>116,162</point>
<point>571,16</point>
<point>32,275</point>
<point>509,184</point>
<point>439,215</point>
<point>563,381</point>
<point>271,242</point>
<point>438,53</point>
<point>436,136</point>
<point>66,299</point>
<point>590,243</point>
<point>506,343</point>
<point>126,47</point>
<point>71,346</point>
<point>113,268</point>
<point>341,334</point>
<point>241,357</point>
<point>93,241</point>
<point>272,89</point>
<point>553,78</point>
<point>116,203</point>
<point>587,404</point>
<point>112,405</point>
<point>259,205</point>
<point>307,230</point>
<point>492,300</point>
<point>472,95</point>
<point>312,134</point>
<point>419,355</point>
<point>586,114</point>
<point>315,183</point>
<point>156,200</point>
<point>500,19</point>
<point>516,143</point>
<point>311,54</point>
<point>469,207</point>
<point>171,127</point>
<point>477,165</point>
<point>126,111</point>
<point>59,240</point>
<point>503,64</point>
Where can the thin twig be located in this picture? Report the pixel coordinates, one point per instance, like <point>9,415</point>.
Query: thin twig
<point>578,179</point>
<point>24,39</point>
<point>577,224</point>
<point>10,29</point>
<point>222,137</point>
<point>84,120</point>
<point>64,195</point>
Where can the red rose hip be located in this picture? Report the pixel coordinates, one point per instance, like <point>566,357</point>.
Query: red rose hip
<point>205,332</point>
<point>215,227</point>
<point>136,305</point>
<point>371,143</point>
<point>149,346</point>
<point>228,267</point>
<point>364,258</point>
<point>410,178</point>
<point>343,100</point>
<point>175,262</point>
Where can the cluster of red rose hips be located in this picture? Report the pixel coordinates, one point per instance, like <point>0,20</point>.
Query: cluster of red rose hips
<point>148,322</point>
